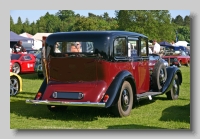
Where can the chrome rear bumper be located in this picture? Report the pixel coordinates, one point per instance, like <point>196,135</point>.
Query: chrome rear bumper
<point>63,103</point>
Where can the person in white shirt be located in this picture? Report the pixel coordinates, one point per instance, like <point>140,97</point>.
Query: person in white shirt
<point>156,47</point>
<point>150,51</point>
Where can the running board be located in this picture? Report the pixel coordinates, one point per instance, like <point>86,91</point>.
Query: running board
<point>148,95</point>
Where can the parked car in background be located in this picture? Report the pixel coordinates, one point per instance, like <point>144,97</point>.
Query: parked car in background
<point>22,63</point>
<point>104,73</point>
<point>29,47</point>
<point>178,58</point>
<point>38,65</point>
<point>173,61</point>
<point>15,84</point>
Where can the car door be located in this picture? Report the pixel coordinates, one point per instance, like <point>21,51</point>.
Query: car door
<point>27,63</point>
<point>143,66</point>
<point>137,51</point>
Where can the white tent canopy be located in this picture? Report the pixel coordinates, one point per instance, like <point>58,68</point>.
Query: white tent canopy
<point>181,43</point>
<point>38,36</point>
<point>27,35</point>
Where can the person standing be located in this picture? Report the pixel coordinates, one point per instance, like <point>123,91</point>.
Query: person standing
<point>18,47</point>
<point>156,47</point>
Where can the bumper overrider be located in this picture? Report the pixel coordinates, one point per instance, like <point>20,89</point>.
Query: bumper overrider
<point>63,103</point>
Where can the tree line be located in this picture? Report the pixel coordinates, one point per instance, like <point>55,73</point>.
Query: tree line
<point>156,24</point>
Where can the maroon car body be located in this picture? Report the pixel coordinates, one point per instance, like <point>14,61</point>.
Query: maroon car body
<point>110,72</point>
<point>22,63</point>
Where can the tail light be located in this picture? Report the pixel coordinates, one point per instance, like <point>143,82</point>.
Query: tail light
<point>38,96</point>
<point>105,98</point>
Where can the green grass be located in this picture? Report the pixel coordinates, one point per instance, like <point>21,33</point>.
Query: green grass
<point>159,113</point>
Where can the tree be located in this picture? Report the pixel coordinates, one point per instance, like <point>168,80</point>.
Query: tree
<point>156,24</point>
<point>184,33</point>
<point>65,14</point>
<point>12,24</point>
<point>179,20</point>
<point>187,21</point>
<point>19,26</point>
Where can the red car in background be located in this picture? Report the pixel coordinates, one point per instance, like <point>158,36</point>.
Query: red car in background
<point>178,58</point>
<point>22,63</point>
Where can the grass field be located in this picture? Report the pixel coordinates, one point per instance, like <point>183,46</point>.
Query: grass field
<point>158,113</point>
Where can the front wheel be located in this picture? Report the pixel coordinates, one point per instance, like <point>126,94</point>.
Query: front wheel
<point>125,101</point>
<point>14,86</point>
<point>174,92</point>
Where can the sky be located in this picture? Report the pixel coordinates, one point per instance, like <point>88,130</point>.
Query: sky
<point>34,15</point>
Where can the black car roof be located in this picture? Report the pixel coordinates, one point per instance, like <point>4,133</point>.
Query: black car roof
<point>110,33</point>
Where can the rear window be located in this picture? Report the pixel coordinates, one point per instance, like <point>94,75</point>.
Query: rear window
<point>74,47</point>
<point>15,56</point>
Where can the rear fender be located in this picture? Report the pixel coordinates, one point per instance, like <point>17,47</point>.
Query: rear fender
<point>42,88</point>
<point>114,89</point>
<point>171,72</point>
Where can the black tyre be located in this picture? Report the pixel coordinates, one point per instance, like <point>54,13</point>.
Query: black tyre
<point>16,68</point>
<point>40,75</point>
<point>188,64</point>
<point>56,108</point>
<point>159,76</point>
<point>125,101</point>
<point>14,86</point>
<point>174,92</point>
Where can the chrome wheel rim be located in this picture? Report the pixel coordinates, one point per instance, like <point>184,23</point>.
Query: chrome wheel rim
<point>14,86</point>
<point>16,68</point>
<point>125,99</point>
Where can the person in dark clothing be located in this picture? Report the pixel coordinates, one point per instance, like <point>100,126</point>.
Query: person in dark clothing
<point>18,47</point>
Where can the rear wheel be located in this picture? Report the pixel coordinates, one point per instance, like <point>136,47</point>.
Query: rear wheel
<point>174,92</point>
<point>56,108</point>
<point>16,68</point>
<point>125,101</point>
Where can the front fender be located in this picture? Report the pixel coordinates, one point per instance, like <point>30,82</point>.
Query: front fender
<point>171,72</point>
<point>114,89</point>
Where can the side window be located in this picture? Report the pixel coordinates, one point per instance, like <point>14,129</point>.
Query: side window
<point>144,46</point>
<point>120,47</point>
<point>26,57</point>
<point>132,47</point>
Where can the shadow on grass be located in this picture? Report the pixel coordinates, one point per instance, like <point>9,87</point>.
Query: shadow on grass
<point>20,108</point>
<point>176,113</point>
<point>134,126</point>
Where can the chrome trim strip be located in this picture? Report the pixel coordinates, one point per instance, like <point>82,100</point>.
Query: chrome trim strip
<point>63,103</point>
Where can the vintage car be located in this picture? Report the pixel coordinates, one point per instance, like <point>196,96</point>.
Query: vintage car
<point>15,84</point>
<point>22,63</point>
<point>177,58</point>
<point>105,72</point>
<point>172,61</point>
